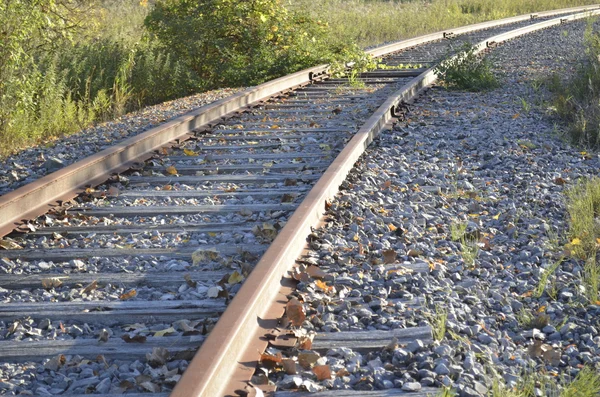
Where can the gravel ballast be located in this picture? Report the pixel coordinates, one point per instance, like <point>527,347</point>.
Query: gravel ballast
<point>472,184</point>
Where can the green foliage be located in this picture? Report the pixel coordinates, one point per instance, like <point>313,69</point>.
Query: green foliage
<point>231,43</point>
<point>576,99</point>
<point>583,204</point>
<point>467,71</point>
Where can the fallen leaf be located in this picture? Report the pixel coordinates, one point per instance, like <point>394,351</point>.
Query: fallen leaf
<point>151,387</point>
<point>167,187</point>
<point>391,227</point>
<point>214,292</point>
<point>202,255</point>
<point>55,362</point>
<point>274,127</point>
<point>322,371</point>
<point>128,295</point>
<point>576,241</point>
<point>158,357</point>
<point>552,356</point>
<point>295,312</point>
<point>103,336</point>
<point>413,253</point>
<point>516,115</point>
<point>325,147</point>
<point>189,152</point>
<point>90,287</point>
<point>307,358</point>
<point>113,191</point>
<point>323,286</point>
<point>271,360</point>
<point>133,339</point>
<point>189,281</point>
<point>52,282</point>
<point>289,366</point>
<point>164,332</point>
<point>316,272</point>
<point>171,170</point>
<point>9,244</point>
<point>559,181</point>
<point>386,185</point>
<point>389,256</point>
<point>235,278</point>
<point>535,350</point>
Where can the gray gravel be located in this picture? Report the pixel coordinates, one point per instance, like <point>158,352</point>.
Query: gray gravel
<point>491,167</point>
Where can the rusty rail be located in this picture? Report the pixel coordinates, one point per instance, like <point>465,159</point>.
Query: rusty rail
<point>227,358</point>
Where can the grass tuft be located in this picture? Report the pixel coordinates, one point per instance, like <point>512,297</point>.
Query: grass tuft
<point>467,71</point>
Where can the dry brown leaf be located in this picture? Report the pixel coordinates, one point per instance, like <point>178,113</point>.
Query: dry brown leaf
<point>316,272</point>
<point>342,372</point>
<point>167,187</point>
<point>389,256</point>
<point>289,366</point>
<point>307,358</point>
<point>158,357</point>
<point>535,350</point>
<point>271,360</point>
<point>113,191</point>
<point>414,253</point>
<point>322,371</point>
<point>128,295</point>
<point>51,282</point>
<point>171,170</point>
<point>295,312</point>
<point>133,339</point>
<point>189,281</point>
<point>559,181</point>
<point>90,287</point>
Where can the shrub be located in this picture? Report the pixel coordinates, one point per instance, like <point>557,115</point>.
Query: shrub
<point>467,71</point>
<point>231,43</point>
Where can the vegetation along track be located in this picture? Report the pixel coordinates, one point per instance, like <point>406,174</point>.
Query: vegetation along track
<point>114,291</point>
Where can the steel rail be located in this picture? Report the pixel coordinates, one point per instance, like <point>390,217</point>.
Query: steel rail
<point>227,359</point>
<point>40,196</point>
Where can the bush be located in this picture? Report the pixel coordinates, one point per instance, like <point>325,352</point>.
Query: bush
<point>231,43</point>
<point>467,71</point>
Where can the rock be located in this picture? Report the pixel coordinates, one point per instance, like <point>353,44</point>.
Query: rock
<point>411,386</point>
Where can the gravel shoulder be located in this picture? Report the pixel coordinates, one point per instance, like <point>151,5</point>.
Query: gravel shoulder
<point>35,162</point>
<point>472,184</point>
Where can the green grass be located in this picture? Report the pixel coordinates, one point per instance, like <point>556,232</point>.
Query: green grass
<point>111,67</point>
<point>576,98</point>
<point>467,71</point>
<point>583,206</point>
<point>372,22</point>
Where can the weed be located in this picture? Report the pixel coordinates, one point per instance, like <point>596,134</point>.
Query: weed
<point>526,144</point>
<point>539,289</point>
<point>525,105</point>
<point>469,249</point>
<point>583,205</point>
<point>524,318</point>
<point>458,230</point>
<point>446,392</point>
<point>576,100</point>
<point>467,71</point>
<point>438,322</point>
<point>586,384</point>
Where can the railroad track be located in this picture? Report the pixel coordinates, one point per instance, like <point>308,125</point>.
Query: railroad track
<point>114,291</point>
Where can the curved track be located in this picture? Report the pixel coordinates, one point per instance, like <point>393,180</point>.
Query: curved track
<point>128,279</point>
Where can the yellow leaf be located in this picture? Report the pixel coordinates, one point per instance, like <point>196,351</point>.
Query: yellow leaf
<point>325,146</point>
<point>171,170</point>
<point>268,165</point>
<point>392,227</point>
<point>496,216</point>
<point>274,127</point>
<point>189,152</point>
<point>576,241</point>
<point>164,332</point>
<point>474,215</point>
<point>235,278</point>
<point>516,115</point>
<point>212,234</point>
